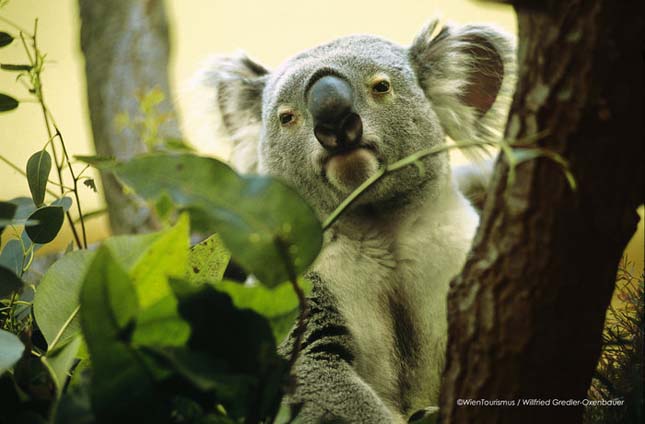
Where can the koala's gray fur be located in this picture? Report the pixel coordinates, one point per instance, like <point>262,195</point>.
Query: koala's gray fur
<point>374,345</point>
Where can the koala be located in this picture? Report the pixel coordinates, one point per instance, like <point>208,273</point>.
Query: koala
<point>323,122</point>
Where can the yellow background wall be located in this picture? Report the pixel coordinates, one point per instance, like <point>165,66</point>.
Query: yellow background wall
<point>269,31</point>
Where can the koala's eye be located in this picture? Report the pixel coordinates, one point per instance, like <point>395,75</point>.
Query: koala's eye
<point>286,117</point>
<point>381,87</point>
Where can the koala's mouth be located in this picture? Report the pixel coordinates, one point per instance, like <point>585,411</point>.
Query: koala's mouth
<point>348,168</point>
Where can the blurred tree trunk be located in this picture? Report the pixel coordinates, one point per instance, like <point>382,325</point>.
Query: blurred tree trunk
<point>126,49</point>
<point>527,312</point>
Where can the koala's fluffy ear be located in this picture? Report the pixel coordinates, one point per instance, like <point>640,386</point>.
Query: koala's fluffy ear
<point>468,73</point>
<point>233,88</point>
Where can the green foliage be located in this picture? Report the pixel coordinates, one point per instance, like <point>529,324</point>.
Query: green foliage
<point>207,260</point>
<point>5,39</point>
<point>38,167</point>
<point>120,381</point>
<point>284,232</point>
<point>56,301</point>
<point>7,103</point>
<point>619,373</point>
<point>11,349</point>
<point>50,220</point>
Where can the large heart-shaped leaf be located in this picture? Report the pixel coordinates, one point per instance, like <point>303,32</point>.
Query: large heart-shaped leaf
<point>265,224</point>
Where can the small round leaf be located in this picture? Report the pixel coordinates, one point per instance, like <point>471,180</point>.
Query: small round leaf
<point>50,220</point>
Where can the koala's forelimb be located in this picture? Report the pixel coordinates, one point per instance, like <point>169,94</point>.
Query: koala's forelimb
<point>325,361</point>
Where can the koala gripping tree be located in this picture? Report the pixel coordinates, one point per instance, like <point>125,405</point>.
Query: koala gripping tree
<point>528,310</point>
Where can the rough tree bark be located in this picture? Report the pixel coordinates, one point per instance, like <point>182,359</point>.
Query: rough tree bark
<point>527,311</point>
<point>126,49</point>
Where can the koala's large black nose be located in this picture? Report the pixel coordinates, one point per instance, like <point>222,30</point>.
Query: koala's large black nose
<point>330,102</point>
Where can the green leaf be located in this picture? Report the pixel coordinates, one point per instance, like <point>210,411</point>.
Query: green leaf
<point>63,202</point>
<point>177,145</point>
<point>242,356</point>
<point>280,238</point>
<point>38,167</point>
<point>5,39</point>
<point>207,261</point>
<point>74,406</point>
<point>121,385</point>
<point>9,282</point>
<point>101,162</point>
<point>11,349</point>
<point>50,220</point>
<point>166,257</point>
<point>12,256</point>
<point>25,207</point>
<point>7,103</point>
<point>7,212</point>
<point>148,259</point>
<point>57,297</point>
<point>15,68</point>
<point>160,325</point>
<point>279,305</point>
<point>60,361</point>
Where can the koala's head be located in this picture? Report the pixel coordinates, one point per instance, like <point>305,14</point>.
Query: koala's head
<point>328,118</point>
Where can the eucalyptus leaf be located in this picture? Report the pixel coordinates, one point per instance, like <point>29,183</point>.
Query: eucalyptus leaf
<point>5,39</point>
<point>101,162</point>
<point>57,297</point>
<point>15,68</point>
<point>63,202</point>
<point>266,225</point>
<point>7,103</point>
<point>39,166</point>
<point>11,349</point>
<point>50,220</point>
<point>166,257</point>
<point>25,207</point>
<point>160,325</point>
<point>7,212</point>
<point>60,361</point>
<point>279,305</point>
<point>12,256</point>
<point>9,282</point>
<point>207,260</point>
<point>242,356</point>
<point>121,385</point>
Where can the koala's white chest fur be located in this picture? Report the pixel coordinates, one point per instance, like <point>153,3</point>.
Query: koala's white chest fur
<point>391,282</point>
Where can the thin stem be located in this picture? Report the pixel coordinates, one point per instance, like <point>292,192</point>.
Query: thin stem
<point>38,88</point>
<point>66,324</point>
<point>406,161</point>
<point>75,190</point>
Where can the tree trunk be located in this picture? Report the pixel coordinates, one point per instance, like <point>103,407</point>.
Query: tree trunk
<point>527,312</point>
<point>126,49</point>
